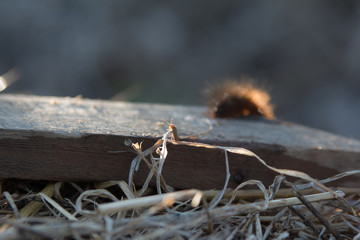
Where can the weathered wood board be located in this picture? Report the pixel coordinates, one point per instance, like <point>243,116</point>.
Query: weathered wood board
<point>73,139</point>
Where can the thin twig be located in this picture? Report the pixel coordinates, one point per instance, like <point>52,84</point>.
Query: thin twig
<point>143,202</point>
<point>307,222</point>
<point>210,221</point>
<point>12,204</point>
<point>218,198</point>
<point>34,206</point>
<point>57,206</point>
<point>275,219</point>
<point>314,211</point>
<point>153,168</point>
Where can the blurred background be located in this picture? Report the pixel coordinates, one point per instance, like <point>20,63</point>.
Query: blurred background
<point>306,52</point>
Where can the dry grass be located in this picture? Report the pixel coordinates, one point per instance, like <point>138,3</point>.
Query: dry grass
<point>119,210</point>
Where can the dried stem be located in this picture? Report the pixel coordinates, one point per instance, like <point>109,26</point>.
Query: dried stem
<point>314,211</point>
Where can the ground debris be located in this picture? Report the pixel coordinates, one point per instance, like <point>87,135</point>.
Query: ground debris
<point>121,210</point>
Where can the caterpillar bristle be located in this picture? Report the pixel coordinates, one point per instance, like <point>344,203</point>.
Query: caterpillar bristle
<point>239,99</point>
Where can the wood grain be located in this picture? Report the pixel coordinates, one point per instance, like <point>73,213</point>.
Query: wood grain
<point>73,139</point>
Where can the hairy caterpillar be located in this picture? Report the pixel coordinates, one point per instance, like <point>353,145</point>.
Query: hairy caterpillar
<point>238,99</point>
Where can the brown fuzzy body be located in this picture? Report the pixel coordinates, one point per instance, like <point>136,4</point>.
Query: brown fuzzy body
<point>234,99</point>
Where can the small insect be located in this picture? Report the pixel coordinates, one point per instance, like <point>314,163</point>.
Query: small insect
<point>174,132</point>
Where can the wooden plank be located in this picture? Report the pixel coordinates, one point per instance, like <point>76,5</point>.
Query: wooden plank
<point>73,139</point>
